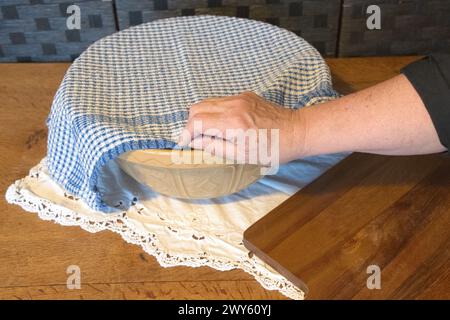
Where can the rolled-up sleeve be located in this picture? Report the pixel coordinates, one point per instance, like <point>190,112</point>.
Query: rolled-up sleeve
<point>431,79</point>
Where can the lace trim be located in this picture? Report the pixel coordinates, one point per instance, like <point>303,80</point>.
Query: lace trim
<point>121,224</point>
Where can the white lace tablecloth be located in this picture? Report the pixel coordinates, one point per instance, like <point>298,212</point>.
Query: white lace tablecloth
<point>181,232</point>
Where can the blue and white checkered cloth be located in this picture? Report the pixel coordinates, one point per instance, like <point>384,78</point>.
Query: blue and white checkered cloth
<point>132,90</point>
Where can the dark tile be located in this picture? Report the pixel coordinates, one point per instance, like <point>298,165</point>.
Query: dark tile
<point>135,17</point>
<point>63,8</point>
<point>42,24</point>
<point>74,56</point>
<point>274,21</point>
<point>188,12</point>
<point>358,10</point>
<point>321,21</point>
<point>9,12</point>
<point>419,7</point>
<point>24,59</point>
<point>1,52</point>
<point>73,35</point>
<point>295,9</point>
<point>214,3</point>
<point>442,45</point>
<point>242,11</point>
<point>383,48</point>
<point>95,21</point>
<point>272,1</point>
<point>356,37</point>
<point>160,5</point>
<point>48,48</point>
<point>36,1</point>
<point>17,38</point>
<point>320,46</point>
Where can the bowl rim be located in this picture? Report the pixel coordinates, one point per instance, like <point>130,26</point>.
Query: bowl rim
<point>162,158</point>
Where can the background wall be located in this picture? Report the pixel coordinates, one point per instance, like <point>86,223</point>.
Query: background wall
<point>35,30</point>
<point>407,27</point>
<point>317,21</point>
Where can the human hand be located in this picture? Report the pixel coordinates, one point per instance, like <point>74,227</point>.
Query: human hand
<point>245,128</point>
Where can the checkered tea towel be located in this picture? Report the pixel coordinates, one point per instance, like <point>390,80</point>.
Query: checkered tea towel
<point>132,90</point>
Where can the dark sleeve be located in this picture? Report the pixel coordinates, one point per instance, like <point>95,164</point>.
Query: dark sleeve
<point>431,79</point>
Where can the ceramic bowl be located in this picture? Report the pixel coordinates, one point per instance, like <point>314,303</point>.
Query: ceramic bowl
<point>188,174</point>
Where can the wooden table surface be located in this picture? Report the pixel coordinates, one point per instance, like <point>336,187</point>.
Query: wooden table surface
<point>368,210</point>
<point>35,254</point>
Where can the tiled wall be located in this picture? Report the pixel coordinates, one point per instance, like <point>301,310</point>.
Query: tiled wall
<point>407,27</point>
<point>316,21</point>
<point>35,30</point>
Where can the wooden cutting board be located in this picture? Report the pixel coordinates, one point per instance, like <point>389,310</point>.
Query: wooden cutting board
<point>391,212</point>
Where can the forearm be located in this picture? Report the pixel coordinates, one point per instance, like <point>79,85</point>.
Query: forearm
<point>388,118</point>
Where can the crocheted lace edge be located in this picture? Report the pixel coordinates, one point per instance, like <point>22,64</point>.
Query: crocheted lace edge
<point>49,211</point>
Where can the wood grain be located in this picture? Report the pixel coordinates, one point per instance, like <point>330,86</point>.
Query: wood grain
<point>393,212</point>
<point>159,290</point>
<point>353,74</point>
<point>34,254</point>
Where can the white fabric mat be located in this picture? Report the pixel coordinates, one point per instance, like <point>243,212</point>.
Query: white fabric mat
<point>180,232</point>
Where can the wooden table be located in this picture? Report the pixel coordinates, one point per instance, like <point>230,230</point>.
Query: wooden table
<point>35,254</point>
<point>368,211</point>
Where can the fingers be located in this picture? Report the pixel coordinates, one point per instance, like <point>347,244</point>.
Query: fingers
<point>202,124</point>
<point>214,116</point>
<point>201,116</point>
<point>219,148</point>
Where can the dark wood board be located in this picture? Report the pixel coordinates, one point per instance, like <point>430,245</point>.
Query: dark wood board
<point>393,212</point>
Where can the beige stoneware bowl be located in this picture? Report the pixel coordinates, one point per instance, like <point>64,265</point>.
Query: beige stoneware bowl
<point>188,174</point>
